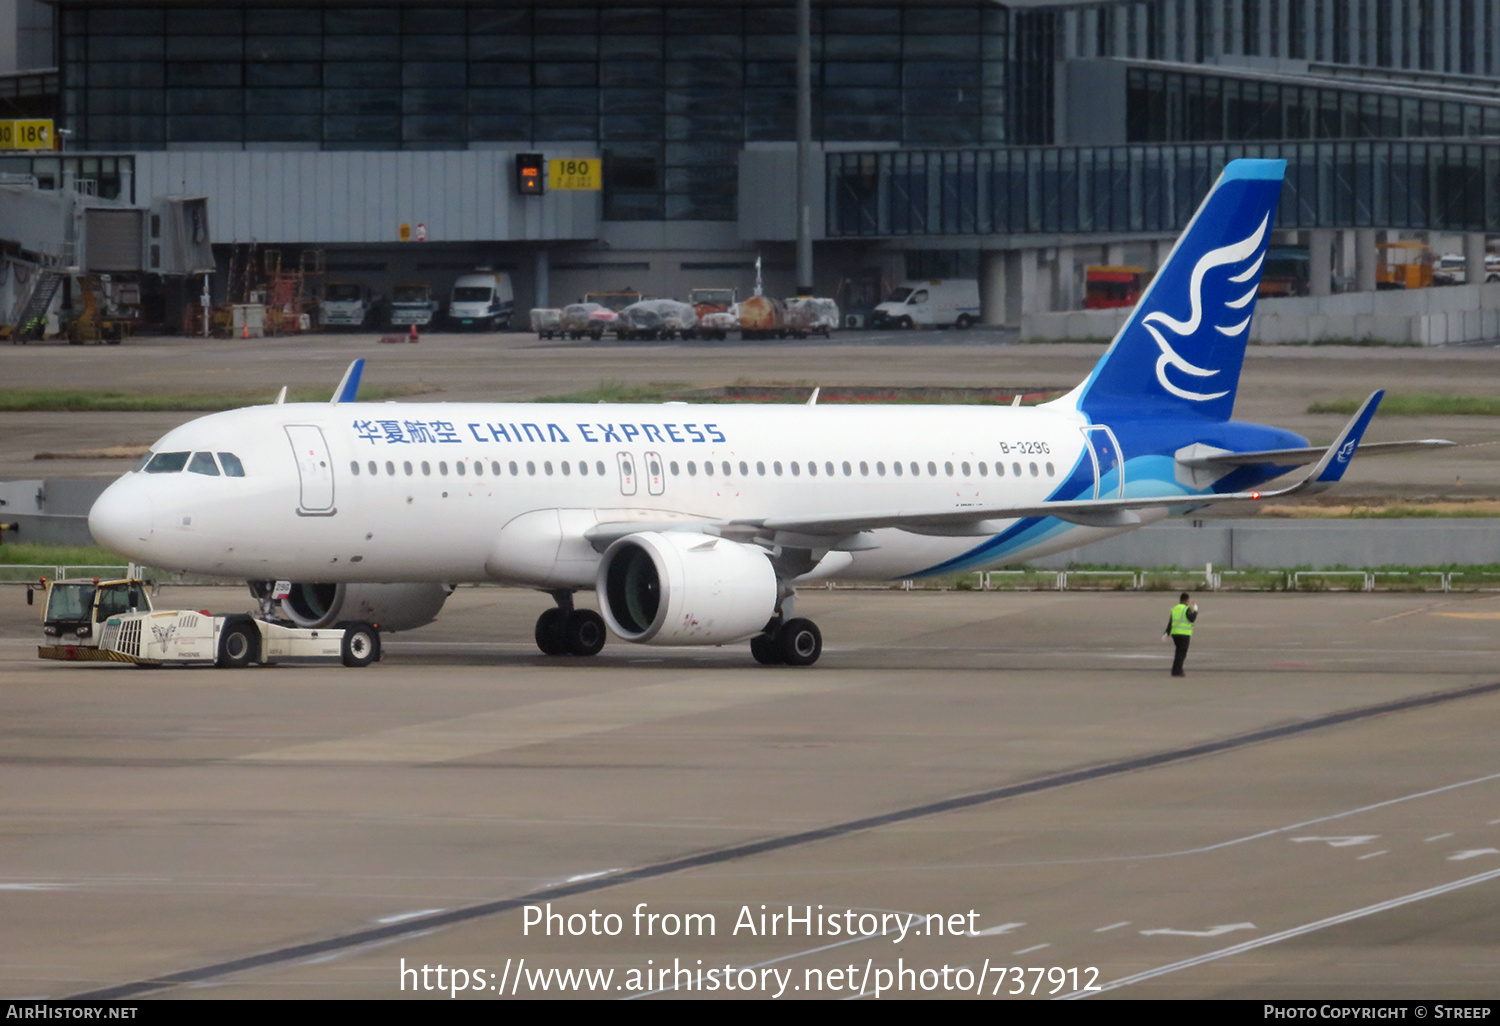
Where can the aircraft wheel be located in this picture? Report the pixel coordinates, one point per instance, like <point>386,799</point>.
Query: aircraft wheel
<point>765,650</point>
<point>360,645</point>
<point>800,642</point>
<point>549,632</point>
<point>237,646</point>
<point>583,632</point>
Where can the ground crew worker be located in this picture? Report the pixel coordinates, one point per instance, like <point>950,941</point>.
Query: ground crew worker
<point>1180,628</point>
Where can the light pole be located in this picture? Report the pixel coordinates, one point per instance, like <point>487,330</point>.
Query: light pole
<point>804,147</point>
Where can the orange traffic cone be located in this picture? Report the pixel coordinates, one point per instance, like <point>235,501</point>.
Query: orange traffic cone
<point>413,336</point>
<point>246,333</point>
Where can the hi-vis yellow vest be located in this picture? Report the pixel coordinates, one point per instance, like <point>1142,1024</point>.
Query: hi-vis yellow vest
<point>1180,622</point>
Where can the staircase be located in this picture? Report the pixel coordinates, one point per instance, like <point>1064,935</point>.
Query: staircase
<point>33,319</point>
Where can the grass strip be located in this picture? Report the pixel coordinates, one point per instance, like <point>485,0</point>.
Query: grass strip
<point>63,400</point>
<point>1418,404</point>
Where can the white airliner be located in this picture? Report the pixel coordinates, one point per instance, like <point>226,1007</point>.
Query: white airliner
<point>695,524</point>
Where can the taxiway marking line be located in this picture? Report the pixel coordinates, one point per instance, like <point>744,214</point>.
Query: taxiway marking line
<point>749,849</point>
<point>1276,938</point>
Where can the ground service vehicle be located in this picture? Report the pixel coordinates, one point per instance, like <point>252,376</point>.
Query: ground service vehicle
<point>546,321</point>
<point>934,303</point>
<point>1287,272</point>
<point>412,303</point>
<point>1404,265</point>
<point>112,621</point>
<point>481,300</point>
<point>345,305</point>
<point>1107,288</point>
<point>707,301</point>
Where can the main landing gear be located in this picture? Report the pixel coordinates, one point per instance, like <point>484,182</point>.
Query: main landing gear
<point>563,630</point>
<point>794,642</point>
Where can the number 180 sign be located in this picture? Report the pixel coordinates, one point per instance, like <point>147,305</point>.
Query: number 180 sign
<point>575,173</point>
<point>26,135</point>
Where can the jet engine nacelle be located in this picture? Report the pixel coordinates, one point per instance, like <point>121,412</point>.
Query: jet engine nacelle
<point>684,588</point>
<point>391,607</point>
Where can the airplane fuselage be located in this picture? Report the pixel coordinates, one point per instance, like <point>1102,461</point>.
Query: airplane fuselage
<point>482,492</point>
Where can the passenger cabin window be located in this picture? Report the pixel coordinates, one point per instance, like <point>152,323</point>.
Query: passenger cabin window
<point>203,463</point>
<point>231,464</point>
<point>167,462</point>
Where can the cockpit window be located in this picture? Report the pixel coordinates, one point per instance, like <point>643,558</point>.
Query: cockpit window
<point>144,460</point>
<point>232,465</point>
<point>203,463</point>
<point>167,462</point>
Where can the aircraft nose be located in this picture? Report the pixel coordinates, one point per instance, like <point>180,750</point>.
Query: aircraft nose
<point>122,518</point>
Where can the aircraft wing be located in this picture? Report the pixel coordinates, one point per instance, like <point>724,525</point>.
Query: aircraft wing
<point>1301,457</point>
<point>1325,473</point>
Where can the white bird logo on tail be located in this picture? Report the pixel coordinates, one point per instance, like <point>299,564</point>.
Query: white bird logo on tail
<point>1231,254</point>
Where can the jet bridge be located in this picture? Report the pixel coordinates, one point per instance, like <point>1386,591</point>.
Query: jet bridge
<point>71,250</point>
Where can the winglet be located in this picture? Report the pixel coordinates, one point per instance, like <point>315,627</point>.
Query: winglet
<point>349,387</point>
<point>813,399</point>
<point>1335,461</point>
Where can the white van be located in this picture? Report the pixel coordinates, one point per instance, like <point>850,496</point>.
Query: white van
<point>483,300</point>
<point>929,304</point>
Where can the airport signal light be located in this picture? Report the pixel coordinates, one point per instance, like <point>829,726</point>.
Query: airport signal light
<point>531,174</point>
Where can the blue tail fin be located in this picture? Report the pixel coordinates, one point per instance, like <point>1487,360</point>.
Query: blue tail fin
<point>1181,351</point>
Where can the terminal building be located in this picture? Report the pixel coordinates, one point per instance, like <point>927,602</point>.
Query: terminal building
<point>1015,143</point>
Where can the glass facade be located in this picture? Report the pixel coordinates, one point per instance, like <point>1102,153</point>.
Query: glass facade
<point>1172,106</point>
<point>1122,189</point>
<point>668,94</point>
<point>1439,36</point>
